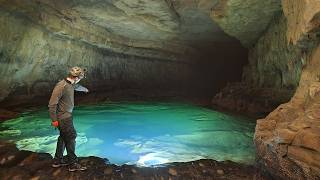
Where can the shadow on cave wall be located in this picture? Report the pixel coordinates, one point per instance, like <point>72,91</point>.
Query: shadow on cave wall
<point>213,67</point>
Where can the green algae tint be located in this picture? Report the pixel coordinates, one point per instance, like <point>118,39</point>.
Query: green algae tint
<point>145,134</point>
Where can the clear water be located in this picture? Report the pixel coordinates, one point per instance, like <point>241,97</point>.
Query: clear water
<point>144,134</point>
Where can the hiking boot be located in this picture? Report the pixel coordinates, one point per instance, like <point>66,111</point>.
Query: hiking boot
<point>58,163</point>
<point>76,167</point>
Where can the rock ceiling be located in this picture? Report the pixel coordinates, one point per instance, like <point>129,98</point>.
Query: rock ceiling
<point>168,26</point>
<point>175,26</point>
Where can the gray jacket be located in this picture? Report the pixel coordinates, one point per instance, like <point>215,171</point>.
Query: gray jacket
<point>62,99</point>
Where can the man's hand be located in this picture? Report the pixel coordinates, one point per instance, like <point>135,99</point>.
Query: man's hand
<point>55,123</point>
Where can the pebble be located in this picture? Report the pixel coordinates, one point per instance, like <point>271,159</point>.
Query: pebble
<point>10,157</point>
<point>84,161</point>
<point>56,172</point>
<point>108,171</point>
<point>134,171</point>
<point>35,178</point>
<point>220,172</point>
<point>3,160</point>
<point>173,172</point>
<point>204,171</point>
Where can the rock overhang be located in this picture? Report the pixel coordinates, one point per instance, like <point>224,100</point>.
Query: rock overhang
<point>175,27</point>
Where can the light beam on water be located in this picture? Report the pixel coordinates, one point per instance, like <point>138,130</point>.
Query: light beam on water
<point>141,133</point>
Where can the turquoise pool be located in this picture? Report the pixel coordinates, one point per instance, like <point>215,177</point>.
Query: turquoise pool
<point>144,133</point>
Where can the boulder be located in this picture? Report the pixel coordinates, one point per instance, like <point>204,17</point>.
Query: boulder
<point>310,157</point>
<point>308,138</point>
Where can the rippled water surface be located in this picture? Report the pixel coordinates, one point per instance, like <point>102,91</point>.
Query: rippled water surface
<point>141,133</point>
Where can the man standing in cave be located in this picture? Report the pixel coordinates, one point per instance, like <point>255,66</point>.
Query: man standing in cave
<point>60,109</point>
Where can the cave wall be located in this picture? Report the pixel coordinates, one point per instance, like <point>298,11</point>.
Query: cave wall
<point>245,19</point>
<point>288,139</point>
<point>35,60</point>
<point>274,63</point>
<point>284,66</point>
<point>128,47</point>
<point>273,72</point>
<point>271,76</point>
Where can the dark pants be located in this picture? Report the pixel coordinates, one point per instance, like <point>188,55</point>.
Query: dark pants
<point>66,140</point>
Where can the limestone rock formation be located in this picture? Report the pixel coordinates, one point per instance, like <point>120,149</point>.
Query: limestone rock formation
<point>125,44</point>
<point>273,62</point>
<point>245,19</point>
<point>131,44</point>
<point>249,99</point>
<point>285,58</point>
<point>303,21</point>
<point>270,78</point>
<point>290,148</point>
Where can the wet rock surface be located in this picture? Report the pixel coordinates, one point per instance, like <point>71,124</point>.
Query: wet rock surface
<point>6,114</point>
<point>250,100</point>
<point>15,164</point>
